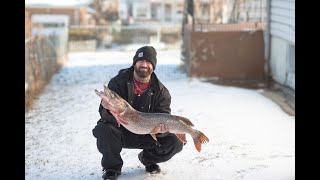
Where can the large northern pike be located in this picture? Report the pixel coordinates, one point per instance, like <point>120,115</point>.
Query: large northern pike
<point>144,123</point>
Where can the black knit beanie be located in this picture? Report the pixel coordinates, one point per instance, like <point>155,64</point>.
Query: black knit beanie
<point>146,53</point>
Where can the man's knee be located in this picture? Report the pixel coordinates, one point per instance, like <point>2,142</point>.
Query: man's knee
<point>172,143</point>
<point>178,145</point>
<point>101,129</point>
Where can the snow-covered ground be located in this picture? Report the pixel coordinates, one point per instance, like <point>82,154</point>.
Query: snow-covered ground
<point>250,136</point>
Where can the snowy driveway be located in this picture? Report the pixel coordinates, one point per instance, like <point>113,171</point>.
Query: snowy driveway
<point>250,136</point>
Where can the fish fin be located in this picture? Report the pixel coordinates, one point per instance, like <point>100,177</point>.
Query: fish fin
<point>185,120</point>
<point>122,121</point>
<point>201,139</point>
<point>118,119</point>
<point>182,137</point>
<point>154,136</point>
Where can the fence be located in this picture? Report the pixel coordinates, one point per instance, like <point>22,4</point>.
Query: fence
<point>86,37</point>
<point>224,51</point>
<point>43,58</point>
<point>242,26</point>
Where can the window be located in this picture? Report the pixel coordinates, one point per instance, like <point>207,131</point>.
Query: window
<point>167,11</point>
<point>141,12</point>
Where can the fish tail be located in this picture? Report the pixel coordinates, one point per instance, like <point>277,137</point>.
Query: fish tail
<point>199,139</point>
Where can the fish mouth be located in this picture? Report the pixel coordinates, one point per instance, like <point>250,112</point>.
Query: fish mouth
<point>113,101</point>
<point>107,91</point>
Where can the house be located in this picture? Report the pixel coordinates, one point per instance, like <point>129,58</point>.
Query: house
<point>158,11</point>
<point>245,11</point>
<point>47,25</point>
<point>46,14</point>
<point>208,11</point>
<point>229,11</point>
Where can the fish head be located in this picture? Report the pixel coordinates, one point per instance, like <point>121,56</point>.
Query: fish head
<point>116,103</point>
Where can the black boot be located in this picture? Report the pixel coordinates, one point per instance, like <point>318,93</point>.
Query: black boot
<point>152,168</point>
<point>110,174</point>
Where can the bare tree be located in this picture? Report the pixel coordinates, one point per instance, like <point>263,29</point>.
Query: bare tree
<point>235,11</point>
<point>106,10</point>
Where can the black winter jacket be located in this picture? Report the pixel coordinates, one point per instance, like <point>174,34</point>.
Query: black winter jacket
<point>156,98</point>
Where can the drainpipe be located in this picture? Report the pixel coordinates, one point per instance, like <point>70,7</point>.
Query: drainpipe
<point>268,45</point>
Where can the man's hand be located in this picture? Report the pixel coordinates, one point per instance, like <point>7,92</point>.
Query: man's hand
<point>104,104</point>
<point>161,128</point>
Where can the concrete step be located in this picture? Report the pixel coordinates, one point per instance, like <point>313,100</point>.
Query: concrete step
<point>282,100</point>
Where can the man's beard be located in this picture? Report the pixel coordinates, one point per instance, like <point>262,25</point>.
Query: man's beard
<point>142,73</point>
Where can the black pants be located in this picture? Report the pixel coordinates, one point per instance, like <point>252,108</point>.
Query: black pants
<point>111,140</point>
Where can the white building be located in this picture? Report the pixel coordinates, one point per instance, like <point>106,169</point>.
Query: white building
<point>163,11</point>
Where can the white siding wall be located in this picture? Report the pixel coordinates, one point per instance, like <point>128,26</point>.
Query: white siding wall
<point>283,19</point>
<point>282,57</point>
<point>278,56</point>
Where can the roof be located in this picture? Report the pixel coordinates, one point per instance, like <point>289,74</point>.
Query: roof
<point>57,3</point>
